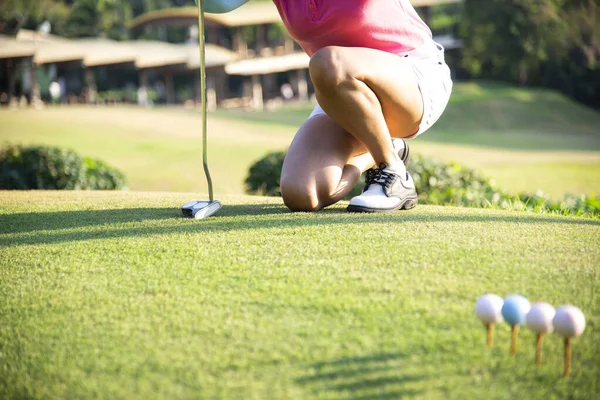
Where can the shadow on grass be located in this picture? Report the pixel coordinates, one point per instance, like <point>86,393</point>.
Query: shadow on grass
<point>41,221</point>
<point>132,222</point>
<point>377,377</point>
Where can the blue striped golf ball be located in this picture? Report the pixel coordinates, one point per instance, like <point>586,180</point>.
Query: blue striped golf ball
<point>515,309</point>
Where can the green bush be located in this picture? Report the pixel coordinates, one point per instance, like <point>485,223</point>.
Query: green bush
<point>101,176</point>
<point>441,183</point>
<point>263,176</point>
<point>452,184</point>
<point>118,95</point>
<point>40,168</point>
<point>52,168</point>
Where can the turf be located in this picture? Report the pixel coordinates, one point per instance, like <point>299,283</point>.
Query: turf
<point>526,139</point>
<point>490,115</point>
<point>113,295</point>
<point>157,149</point>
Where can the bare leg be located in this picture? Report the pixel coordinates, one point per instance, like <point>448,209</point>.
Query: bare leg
<point>369,96</point>
<point>322,165</point>
<point>372,94</point>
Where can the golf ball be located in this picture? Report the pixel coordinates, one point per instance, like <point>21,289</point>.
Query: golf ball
<point>488,308</point>
<point>569,321</point>
<point>515,309</point>
<point>539,318</point>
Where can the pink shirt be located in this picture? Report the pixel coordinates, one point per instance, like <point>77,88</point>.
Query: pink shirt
<point>388,25</point>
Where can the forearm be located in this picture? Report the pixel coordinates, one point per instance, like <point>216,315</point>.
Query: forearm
<point>222,6</point>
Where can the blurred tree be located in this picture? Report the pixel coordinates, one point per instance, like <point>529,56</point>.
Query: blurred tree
<point>554,43</point>
<point>84,19</point>
<point>106,18</point>
<point>15,14</point>
<point>71,18</point>
<point>114,17</point>
<point>578,73</point>
<point>510,38</point>
<point>445,18</point>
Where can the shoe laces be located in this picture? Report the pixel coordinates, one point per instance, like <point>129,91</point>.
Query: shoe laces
<point>379,176</point>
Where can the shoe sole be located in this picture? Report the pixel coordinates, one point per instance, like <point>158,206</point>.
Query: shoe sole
<point>409,203</point>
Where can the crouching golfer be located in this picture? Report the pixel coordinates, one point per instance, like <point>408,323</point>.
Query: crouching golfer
<point>378,77</point>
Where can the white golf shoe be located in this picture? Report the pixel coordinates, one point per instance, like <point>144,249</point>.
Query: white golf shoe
<point>385,190</point>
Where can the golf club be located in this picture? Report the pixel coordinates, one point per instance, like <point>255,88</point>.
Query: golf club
<point>201,209</point>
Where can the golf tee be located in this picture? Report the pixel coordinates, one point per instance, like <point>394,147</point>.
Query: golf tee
<point>490,334</point>
<point>513,342</point>
<point>538,348</point>
<point>567,356</point>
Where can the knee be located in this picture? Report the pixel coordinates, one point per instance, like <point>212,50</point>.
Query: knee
<point>298,197</point>
<point>326,67</point>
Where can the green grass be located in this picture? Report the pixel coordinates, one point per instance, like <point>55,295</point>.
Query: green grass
<point>519,119</point>
<point>544,175</point>
<point>526,139</point>
<point>490,115</point>
<point>156,149</point>
<point>113,295</point>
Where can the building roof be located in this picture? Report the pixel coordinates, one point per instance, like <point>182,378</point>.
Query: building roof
<point>268,65</point>
<point>27,34</point>
<point>57,52</point>
<point>43,49</point>
<point>216,56</point>
<point>28,43</point>
<point>13,48</point>
<point>151,54</point>
<point>99,51</point>
<point>94,52</point>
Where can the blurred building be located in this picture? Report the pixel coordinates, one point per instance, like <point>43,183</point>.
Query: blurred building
<point>81,62</point>
<point>250,60</point>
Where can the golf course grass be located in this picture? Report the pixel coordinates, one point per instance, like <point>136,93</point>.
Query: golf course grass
<point>113,295</point>
<point>526,139</point>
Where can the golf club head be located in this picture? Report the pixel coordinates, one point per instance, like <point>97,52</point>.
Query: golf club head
<point>200,209</point>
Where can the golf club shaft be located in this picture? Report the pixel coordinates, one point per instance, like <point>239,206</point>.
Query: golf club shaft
<point>201,47</point>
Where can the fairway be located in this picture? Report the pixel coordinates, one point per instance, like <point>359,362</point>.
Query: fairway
<point>523,138</point>
<point>156,149</point>
<point>113,295</point>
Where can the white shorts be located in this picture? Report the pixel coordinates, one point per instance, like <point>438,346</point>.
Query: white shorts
<point>435,83</point>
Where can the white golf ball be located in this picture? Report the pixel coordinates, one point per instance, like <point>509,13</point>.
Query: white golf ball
<point>488,308</point>
<point>568,321</point>
<point>539,318</point>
